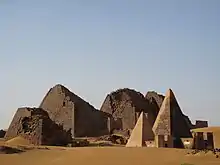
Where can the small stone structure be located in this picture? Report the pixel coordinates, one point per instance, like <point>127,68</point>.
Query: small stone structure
<point>35,125</point>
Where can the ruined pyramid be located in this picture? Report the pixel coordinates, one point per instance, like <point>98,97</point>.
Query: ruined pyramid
<point>73,113</point>
<point>170,119</point>
<point>125,106</point>
<point>141,133</point>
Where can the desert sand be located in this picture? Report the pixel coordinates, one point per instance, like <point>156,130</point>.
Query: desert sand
<point>107,156</point>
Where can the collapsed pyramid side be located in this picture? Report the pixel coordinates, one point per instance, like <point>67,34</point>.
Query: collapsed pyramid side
<point>34,125</point>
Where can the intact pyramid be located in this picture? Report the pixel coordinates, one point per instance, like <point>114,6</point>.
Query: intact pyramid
<point>141,133</point>
<point>170,119</point>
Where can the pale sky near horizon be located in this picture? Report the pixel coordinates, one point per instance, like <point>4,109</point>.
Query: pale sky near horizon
<point>96,46</point>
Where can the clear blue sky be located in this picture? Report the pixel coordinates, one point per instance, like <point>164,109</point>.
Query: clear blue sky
<point>96,46</point>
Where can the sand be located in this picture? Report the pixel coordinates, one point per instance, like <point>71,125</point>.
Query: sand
<point>2,141</point>
<point>17,141</point>
<point>107,156</point>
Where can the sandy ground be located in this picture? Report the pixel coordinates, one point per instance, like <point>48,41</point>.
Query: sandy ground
<point>107,156</point>
<point>2,141</point>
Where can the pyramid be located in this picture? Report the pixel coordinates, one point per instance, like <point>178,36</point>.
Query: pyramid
<point>170,119</point>
<point>125,105</point>
<point>142,132</point>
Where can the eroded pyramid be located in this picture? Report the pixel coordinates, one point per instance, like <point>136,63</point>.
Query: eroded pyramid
<point>125,106</point>
<point>73,113</point>
<point>170,119</point>
<point>141,133</point>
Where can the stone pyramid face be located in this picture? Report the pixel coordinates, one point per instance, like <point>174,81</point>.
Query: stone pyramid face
<point>170,119</point>
<point>162,125</point>
<point>142,132</point>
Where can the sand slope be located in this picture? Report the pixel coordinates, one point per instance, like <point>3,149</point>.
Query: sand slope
<point>107,156</point>
<point>17,141</point>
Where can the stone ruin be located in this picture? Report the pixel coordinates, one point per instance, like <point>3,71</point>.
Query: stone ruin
<point>35,125</point>
<point>125,106</point>
<point>74,114</point>
<point>62,115</point>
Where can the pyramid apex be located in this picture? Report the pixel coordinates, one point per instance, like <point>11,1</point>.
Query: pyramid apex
<point>169,93</point>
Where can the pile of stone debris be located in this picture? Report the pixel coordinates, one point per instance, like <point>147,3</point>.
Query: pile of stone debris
<point>114,138</point>
<point>215,152</point>
<point>78,143</point>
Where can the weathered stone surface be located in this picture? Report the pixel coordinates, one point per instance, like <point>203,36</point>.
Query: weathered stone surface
<point>125,106</point>
<point>2,133</point>
<point>73,113</point>
<point>35,125</point>
<point>154,97</point>
<point>170,119</point>
<point>13,129</point>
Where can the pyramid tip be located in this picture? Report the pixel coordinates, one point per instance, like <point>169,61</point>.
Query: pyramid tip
<point>169,93</point>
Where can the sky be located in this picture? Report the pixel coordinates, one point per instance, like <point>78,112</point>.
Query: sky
<point>94,47</point>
